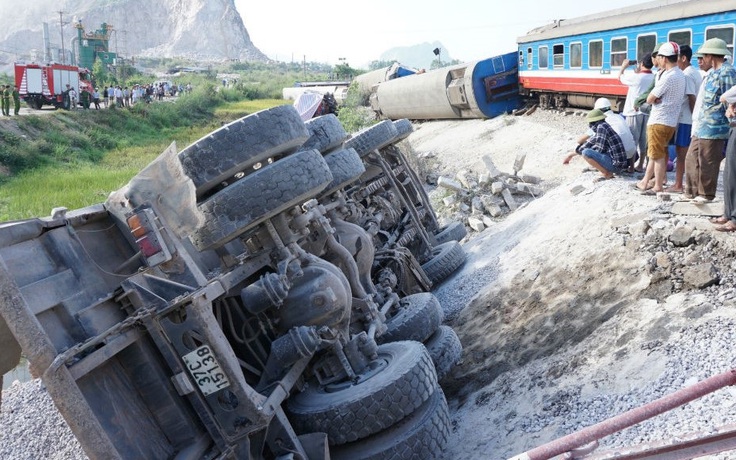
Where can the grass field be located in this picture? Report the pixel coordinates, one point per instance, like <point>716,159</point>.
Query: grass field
<point>33,193</point>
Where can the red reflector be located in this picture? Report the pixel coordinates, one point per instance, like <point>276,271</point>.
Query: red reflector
<point>149,246</point>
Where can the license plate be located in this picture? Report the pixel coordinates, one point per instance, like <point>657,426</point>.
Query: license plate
<point>205,370</point>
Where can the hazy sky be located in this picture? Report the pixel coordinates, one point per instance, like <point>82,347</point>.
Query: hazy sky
<point>470,30</point>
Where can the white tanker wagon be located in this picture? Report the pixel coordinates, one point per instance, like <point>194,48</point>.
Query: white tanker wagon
<point>480,89</point>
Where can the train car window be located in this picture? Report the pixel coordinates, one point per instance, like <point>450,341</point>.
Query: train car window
<point>576,55</point>
<point>619,49</point>
<point>529,57</point>
<point>644,45</point>
<point>521,59</point>
<point>595,54</point>
<point>543,57</point>
<point>724,33</point>
<point>681,37</point>
<point>558,56</point>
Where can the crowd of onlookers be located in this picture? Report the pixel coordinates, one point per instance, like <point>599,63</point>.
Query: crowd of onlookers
<point>122,96</point>
<point>676,117</point>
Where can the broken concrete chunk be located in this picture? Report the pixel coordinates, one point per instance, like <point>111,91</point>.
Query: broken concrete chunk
<point>466,179</point>
<point>529,179</point>
<point>701,276</point>
<point>491,167</point>
<point>494,210</point>
<point>497,187</point>
<point>491,200</point>
<point>446,182</point>
<point>476,223</point>
<point>477,206</point>
<point>576,190</point>
<point>519,163</point>
<point>449,200</point>
<point>509,199</point>
<point>464,207</point>
<point>529,189</point>
<point>487,221</point>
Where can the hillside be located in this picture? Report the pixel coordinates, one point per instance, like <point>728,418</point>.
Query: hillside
<point>203,30</point>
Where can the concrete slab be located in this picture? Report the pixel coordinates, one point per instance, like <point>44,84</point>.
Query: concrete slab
<point>698,209</point>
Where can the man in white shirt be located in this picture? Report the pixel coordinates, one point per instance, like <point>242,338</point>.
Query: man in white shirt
<point>666,100</point>
<point>684,125</point>
<point>638,82</point>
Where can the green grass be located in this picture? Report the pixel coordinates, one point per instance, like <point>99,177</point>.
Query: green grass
<point>77,159</point>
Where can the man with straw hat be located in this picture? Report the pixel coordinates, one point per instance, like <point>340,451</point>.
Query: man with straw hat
<point>704,156</point>
<point>604,149</point>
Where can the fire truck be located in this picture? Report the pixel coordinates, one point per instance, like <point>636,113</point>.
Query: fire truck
<point>41,85</point>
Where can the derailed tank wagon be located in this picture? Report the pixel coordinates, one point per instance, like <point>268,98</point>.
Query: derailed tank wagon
<point>222,305</point>
<point>480,89</point>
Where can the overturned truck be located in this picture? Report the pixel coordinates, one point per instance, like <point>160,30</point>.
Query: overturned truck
<point>262,294</point>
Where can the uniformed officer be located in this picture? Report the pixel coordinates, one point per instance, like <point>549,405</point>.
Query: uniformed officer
<point>16,101</point>
<point>6,100</point>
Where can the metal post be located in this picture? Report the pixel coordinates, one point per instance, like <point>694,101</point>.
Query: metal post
<point>629,418</point>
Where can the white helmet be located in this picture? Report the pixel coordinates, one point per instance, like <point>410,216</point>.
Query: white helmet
<point>602,103</point>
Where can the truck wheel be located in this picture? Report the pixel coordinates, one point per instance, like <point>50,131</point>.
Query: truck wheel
<point>393,386</point>
<point>241,144</point>
<point>445,349</point>
<point>372,138</point>
<point>268,191</point>
<point>446,258</point>
<point>325,133</point>
<point>416,317</point>
<point>403,129</point>
<point>346,167</point>
<point>423,435</point>
<point>454,231</point>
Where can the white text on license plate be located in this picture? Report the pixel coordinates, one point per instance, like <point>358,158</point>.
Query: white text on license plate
<point>205,370</point>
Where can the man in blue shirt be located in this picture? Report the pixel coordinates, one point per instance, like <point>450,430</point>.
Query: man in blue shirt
<point>703,161</point>
<point>604,149</point>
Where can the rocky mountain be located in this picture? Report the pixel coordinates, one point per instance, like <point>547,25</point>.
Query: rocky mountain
<point>419,56</point>
<point>204,30</point>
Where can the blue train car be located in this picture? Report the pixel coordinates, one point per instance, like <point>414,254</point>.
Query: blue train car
<point>572,62</point>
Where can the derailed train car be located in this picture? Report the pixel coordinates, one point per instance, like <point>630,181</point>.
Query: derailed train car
<point>480,89</point>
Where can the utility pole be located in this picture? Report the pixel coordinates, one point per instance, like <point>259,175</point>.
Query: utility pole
<point>61,28</point>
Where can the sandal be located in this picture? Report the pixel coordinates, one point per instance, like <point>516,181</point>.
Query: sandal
<point>602,178</point>
<point>718,220</point>
<point>727,227</point>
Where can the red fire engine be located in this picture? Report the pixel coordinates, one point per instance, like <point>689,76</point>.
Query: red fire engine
<point>41,85</point>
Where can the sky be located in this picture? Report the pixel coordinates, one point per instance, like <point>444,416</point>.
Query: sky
<point>359,32</point>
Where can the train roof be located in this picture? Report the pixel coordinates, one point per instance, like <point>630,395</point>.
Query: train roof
<point>645,13</point>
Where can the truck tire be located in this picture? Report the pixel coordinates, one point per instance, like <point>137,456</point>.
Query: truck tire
<point>268,191</point>
<point>325,133</point>
<point>403,129</point>
<point>346,167</point>
<point>241,144</point>
<point>446,258</point>
<point>421,436</point>
<point>445,349</point>
<point>394,386</point>
<point>454,231</point>
<point>372,138</point>
<point>416,317</point>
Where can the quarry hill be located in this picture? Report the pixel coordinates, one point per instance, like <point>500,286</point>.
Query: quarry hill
<point>203,30</point>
